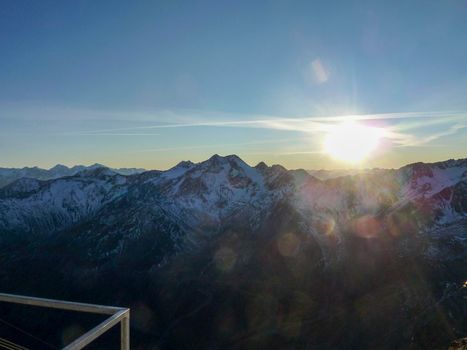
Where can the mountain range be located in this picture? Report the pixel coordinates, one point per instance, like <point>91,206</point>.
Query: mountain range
<point>221,254</point>
<point>9,175</point>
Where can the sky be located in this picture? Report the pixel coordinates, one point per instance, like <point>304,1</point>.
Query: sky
<point>150,83</point>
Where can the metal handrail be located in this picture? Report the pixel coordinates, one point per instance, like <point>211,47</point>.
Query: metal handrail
<point>117,315</point>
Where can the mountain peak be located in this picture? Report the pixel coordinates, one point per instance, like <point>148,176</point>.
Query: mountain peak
<point>233,157</point>
<point>59,167</point>
<point>215,158</point>
<point>185,164</point>
<point>217,162</point>
<point>261,166</point>
<point>96,165</point>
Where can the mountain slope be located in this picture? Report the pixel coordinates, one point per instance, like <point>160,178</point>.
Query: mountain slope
<point>221,192</point>
<point>225,255</point>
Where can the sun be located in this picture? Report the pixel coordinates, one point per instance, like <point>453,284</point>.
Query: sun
<point>352,142</point>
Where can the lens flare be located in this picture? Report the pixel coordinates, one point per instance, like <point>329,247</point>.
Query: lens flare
<point>352,142</point>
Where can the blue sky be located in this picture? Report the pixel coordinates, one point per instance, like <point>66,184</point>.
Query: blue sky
<point>149,83</point>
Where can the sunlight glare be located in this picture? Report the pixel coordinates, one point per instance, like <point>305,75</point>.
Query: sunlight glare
<point>352,142</point>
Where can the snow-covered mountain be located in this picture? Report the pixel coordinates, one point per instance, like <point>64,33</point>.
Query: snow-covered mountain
<point>207,197</point>
<point>212,235</point>
<point>8,175</point>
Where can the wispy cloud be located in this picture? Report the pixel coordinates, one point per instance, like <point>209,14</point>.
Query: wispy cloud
<point>411,140</point>
<point>113,134</point>
<point>396,132</point>
<point>450,131</point>
<point>284,123</point>
<point>223,145</point>
<point>404,129</point>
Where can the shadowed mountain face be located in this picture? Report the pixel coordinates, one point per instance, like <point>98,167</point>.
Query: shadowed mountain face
<point>220,254</point>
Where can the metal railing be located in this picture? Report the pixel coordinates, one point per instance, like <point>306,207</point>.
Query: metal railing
<point>116,315</point>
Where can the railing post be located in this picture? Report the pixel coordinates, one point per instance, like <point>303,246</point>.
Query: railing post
<point>125,332</point>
